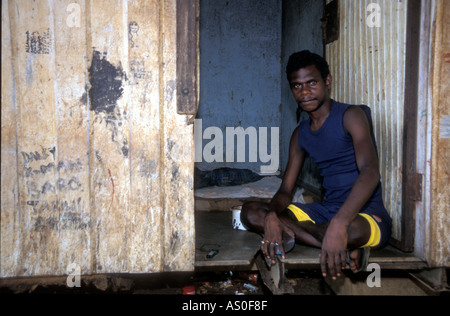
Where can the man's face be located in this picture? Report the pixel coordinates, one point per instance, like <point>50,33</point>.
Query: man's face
<point>309,89</point>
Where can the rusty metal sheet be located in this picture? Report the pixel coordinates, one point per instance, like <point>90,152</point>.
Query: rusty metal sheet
<point>97,166</point>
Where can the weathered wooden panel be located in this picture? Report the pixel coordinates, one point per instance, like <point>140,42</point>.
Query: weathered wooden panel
<point>32,34</point>
<point>439,241</point>
<point>145,191</point>
<point>188,62</point>
<point>109,147</point>
<point>72,123</point>
<point>368,66</point>
<point>97,166</point>
<point>9,177</point>
<point>178,158</point>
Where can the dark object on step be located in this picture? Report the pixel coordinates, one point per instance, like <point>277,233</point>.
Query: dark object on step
<point>212,253</point>
<point>224,177</point>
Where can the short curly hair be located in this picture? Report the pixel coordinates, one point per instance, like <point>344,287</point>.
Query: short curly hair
<point>304,59</point>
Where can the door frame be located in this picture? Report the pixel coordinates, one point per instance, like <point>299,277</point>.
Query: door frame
<point>411,179</point>
<point>188,57</point>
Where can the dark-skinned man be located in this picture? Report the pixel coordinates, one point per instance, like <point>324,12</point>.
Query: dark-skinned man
<point>351,219</point>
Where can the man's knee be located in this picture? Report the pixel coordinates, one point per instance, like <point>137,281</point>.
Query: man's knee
<point>252,214</point>
<point>246,214</point>
<point>358,232</point>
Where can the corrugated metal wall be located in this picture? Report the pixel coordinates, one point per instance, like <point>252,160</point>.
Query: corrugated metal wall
<point>367,63</point>
<point>96,166</point>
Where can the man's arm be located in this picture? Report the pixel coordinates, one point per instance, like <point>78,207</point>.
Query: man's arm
<point>283,197</point>
<point>357,125</point>
<point>334,244</point>
<point>273,229</point>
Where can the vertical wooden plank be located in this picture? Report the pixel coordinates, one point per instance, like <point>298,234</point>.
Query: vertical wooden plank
<point>145,196</point>
<point>406,240</point>
<point>177,157</point>
<point>72,167</point>
<point>10,210</point>
<point>32,28</point>
<point>109,133</point>
<point>187,62</point>
<point>440,166</point>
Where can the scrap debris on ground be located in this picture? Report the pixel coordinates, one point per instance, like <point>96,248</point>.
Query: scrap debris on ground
<point>307,282</point>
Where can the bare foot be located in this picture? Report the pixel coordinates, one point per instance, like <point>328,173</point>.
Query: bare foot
<point>359,258</point>
<point>355,259</point>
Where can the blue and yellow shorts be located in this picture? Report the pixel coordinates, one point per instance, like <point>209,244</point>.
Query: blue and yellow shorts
<point>377,217</point>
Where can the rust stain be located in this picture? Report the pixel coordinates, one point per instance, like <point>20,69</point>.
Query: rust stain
<point>447,58</point>
<point>112,180</point>
<point>112,194</point>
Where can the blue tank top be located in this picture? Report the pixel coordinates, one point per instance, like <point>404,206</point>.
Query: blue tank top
<point>331,148</point>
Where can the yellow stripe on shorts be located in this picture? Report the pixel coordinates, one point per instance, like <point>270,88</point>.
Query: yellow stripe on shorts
<point>299,213</point>
<point>375,234</point>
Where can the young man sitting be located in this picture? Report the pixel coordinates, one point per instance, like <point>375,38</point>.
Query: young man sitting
<point>352,218</point>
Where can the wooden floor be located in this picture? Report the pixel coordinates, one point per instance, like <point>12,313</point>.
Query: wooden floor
<point>237,249</point>
<point>214,231</point>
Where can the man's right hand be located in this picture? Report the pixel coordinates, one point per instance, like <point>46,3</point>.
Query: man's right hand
<point>273,236</point>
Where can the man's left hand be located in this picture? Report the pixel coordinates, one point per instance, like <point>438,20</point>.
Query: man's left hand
<point>334,249</point>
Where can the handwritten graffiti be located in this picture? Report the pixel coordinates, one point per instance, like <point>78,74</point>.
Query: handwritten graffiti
<point>36,156</point>
<point>138,72</point>
<point>51,191</point>
<point>68,166</point>
<point>67,221</point>
<point>38,207</point>
<point>35,190</point>
<point>37,43</point>
<point>114,123</point>
<point>133,29</point>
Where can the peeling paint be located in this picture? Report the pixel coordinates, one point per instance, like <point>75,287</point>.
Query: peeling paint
<point>105,84</point>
